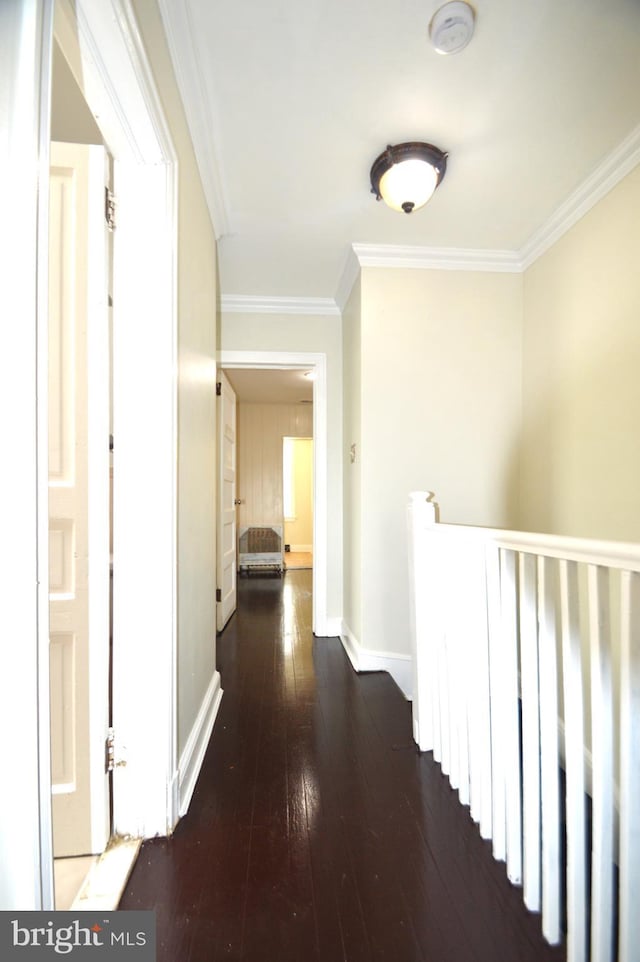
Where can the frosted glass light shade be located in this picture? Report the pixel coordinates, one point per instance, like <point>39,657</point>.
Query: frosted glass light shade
<point>405,176</point>
<point>412,182</point>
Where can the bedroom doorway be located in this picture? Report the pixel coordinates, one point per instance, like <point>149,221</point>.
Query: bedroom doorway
<point>297,500</point>
<point>260,502</point>
<point>79,402</point>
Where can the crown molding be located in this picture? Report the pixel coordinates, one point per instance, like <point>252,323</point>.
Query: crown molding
<point>421,258</point>
<point>437,258</point>
<point>249,304</point>
<point>596,186</point>
<point>197,107</point>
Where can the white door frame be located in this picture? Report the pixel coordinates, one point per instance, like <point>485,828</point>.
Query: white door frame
<point>317,363</point>
<point>105,51</point>
<point>26,879</point>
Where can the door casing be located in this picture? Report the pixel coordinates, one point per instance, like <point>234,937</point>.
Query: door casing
<point>104,49</point>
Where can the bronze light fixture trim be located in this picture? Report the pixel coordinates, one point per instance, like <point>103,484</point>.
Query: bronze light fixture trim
<point>405,176</point>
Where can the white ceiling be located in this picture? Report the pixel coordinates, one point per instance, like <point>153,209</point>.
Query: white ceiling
<point>290,101</point>
<point>270,386</point>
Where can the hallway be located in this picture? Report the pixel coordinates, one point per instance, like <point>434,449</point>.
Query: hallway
<point>316,830</point>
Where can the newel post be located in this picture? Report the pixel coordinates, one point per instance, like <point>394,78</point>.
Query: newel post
<point>421,517</point>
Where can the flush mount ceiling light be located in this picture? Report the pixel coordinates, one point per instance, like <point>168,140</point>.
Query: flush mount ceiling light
<point>452,26</point>
<point>405,176</point>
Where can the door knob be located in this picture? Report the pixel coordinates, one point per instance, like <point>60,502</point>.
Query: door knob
<point>237,501</point>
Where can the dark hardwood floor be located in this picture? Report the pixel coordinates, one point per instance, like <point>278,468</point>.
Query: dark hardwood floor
<point>316,830</point>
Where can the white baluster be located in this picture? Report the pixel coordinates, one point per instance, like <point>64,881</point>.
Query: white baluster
<point>436,629</point>
<point>455,667</point>
<point>467,619</point>
<point>602,755</point>
<point>497,688</point>
<point>420,516</point>
<point>443,685</point>
<point>482,695</point>
<point>629,925</point>
<point>549,755</point>
<point>513,791</point>
<point>572,671</point>
<point>530,731</point>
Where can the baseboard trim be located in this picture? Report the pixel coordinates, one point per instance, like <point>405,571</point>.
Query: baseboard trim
<point>193,754</point>
<point>333,628</point>
<point>173,797</point>
<point>307,548</point>
<point>366,659</point>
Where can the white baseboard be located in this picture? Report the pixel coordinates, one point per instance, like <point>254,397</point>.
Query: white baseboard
<point>365,659</point>
<point>193,754</point>
<point>173,798</point>
<point>332,628</point>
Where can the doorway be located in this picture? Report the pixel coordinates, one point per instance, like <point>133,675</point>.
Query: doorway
<point>314,364</point>
<point>80,478</point>
<point>79,403</point>
<point>297,500</point>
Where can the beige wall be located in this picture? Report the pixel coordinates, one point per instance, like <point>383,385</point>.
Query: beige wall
<point>304,333</point>
<point>298,532</point>
<point>440,410</point>
<point>352,532</point>
<point>71,120</point>
<point>581,381</point>
<point>196,396</point>
<point>261,428</point>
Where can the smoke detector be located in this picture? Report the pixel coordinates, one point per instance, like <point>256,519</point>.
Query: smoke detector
<point>451,27</point>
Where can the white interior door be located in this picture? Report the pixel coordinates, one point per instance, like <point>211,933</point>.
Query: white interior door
<point>78,498</point>
<point>226,503</point>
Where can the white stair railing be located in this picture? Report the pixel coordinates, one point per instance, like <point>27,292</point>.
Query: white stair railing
<point>526,657</point>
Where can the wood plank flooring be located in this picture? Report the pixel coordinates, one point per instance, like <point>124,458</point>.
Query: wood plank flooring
<point>298,559</point>
<point>317,831</point>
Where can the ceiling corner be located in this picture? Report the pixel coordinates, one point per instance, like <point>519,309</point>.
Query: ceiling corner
<point>350,271</point>
<point>604,178</point>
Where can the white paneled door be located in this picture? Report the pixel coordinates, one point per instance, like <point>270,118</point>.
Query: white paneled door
<point>78,498</point>
<point>227,564</point>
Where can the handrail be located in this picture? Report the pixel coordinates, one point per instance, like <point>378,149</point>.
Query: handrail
<point>623,555</point>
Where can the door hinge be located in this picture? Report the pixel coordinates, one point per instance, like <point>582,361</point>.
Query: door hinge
<point>219,388</point>
<point>218,594</point>
<point>110,208</point>
<point>110,751</point>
